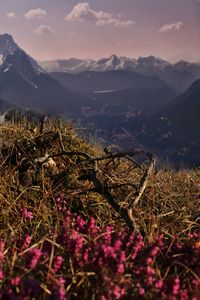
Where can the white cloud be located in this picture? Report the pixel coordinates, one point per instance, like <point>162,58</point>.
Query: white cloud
<point>172,27</point>
<point>37,13</point>
<point>44,29</point>
<point>83,12</point>
<point>11,15</point>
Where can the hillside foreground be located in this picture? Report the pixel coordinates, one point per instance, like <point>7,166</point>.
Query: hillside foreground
<point>80,222</point>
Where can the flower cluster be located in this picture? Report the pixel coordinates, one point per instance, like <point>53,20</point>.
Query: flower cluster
<point>26,214</point>
<point>105,262</point>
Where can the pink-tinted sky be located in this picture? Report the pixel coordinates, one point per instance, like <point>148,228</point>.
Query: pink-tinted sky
<point>51,29</point>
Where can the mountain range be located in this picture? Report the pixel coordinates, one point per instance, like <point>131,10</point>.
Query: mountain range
<point>179,75</point>
<point>144,102</point>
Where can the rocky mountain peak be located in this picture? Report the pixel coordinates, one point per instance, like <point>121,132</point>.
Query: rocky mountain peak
<point>7,45</point>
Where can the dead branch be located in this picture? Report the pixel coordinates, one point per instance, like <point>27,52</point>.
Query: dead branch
<point>102,188</point>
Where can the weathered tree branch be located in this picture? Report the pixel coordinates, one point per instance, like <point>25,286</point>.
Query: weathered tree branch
<point>102,188</point>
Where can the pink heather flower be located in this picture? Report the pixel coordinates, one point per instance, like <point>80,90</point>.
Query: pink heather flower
<point>86,255</point>
<point>108,251</point>
<point>117,245</point>
<point>184,295</point>
<point>179,245</point>
<point>34,256</point>
<point>141,291</point>
<point>160,241</point>
<point>61,290</point>
<point>78,245</point>
<point>15,281</point>
<point>123,256</point>
<point>176,286</point>
<point>92,224</point>
<point>57,263</point>
<point>150,271</point>
<point>100,262</point>
<point>61,293</point>
<point>149,261</point>
<point>159,284</point>
<point>149,280</point>
<point>26,214</point>
<point>68,217</point>
<point>1,275</point>
<point>26,242</point>
<point>154,251</point>
<point>118,292</point>
<point>120,268</point>
<point>80,223</point>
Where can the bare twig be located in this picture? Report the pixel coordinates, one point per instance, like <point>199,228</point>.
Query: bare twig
<point>103,189</point>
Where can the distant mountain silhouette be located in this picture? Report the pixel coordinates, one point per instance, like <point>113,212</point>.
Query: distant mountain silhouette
<point>179,75</point>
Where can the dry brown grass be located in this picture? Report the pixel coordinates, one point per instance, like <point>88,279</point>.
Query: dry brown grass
<point>170,203</point>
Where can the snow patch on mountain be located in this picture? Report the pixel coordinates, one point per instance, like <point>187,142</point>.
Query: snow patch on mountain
<point>111,63</point>
<point>1,59</point>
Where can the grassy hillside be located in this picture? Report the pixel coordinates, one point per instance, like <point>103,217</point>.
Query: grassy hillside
<point>79,222</point>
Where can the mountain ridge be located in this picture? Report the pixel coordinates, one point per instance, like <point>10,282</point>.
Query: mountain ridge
<point>179,75</point>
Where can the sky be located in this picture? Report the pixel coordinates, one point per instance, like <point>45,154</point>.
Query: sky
<point>60,29</point>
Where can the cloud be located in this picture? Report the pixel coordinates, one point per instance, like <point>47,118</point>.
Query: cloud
<point>11,15</point>
<point>37,13</point>
<point>44,29</point>
<point>172,27</point>
<point>83,12</point>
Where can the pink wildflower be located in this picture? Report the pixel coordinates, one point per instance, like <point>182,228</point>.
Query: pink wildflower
<point>1,275</point>
<point>26,214</point>
<point>92,225</point>
<point>86,256</point>
<point>159,284</point>
<point>141,291</point>
<point>61,290</point>
<point>118,292</point>
<point>154,251</point>
<point>120,268</point>
<point>149,261</point>
<point>123,256</point>
<point>26,242</point>
<point>176,286</point>
<point>57,263</point>
<point>15,281</point>
<point>34,256</point>
<point>117,244</point>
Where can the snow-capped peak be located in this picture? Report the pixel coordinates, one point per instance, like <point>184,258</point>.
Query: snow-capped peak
<point>153,61</point>
<point>8,47</point>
